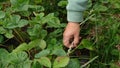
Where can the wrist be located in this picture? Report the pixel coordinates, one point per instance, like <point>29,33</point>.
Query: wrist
<point>74,24</point>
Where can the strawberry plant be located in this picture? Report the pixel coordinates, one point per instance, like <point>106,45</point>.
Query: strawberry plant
<point>31,35</point>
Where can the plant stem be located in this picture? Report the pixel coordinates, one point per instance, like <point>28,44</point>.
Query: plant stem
<point>17,39</point>
<point>22,40</point>
<point>1,45</point>
<point>74,49</point>
<point>89,62</point>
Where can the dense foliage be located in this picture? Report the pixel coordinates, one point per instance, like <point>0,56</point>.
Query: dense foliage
<point>31,35</point>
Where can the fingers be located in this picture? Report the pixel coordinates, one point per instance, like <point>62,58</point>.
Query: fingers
<point>66,40</point>
<point>76,40</point>
<point>71,34</point>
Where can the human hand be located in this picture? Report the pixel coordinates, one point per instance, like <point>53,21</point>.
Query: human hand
<point>71,34</point>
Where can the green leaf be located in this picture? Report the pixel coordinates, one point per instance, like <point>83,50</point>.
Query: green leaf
<point>3,56</point>
<point>39,16</point>
<point>9,34</point>
<point>36,8</point>
<point>59,52</point>
<point>12,22</point>
<point>56,33</point>
<point>21,47</point>
<point>36,64</point>
<point>42,44</point>
<point>25,13</point>
<point>61,62</point>
<point>26,64</point>
<point>54,22</point>
<point>18,57</point>
<point>1,38</point>
<point>100,8</point>
<point>32,44</point>
<point>43,53</point>
<point>51,20</point>
<point>35,32</point>
<point>19,60</point>
<point>43,33</point>
<point>81,46</point>
<point>19,5</point>
<point>62,3</point>
<point>2,14</point>
<point>45,61</point>
<point>15,18</point>
<point>89,3</point>
<point>37,42</point>
<point>115,3</point>
<point>3,52</point>
<point>2,30</point>
<point>87,44</point>
<point>22,23</point>
<point>44,20</point>
<point>74,63</point>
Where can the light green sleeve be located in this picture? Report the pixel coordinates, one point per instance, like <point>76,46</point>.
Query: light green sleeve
<point>75,10</point>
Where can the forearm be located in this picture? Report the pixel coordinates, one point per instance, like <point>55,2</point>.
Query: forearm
<point>75,10</point>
